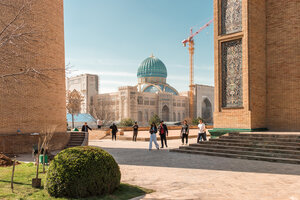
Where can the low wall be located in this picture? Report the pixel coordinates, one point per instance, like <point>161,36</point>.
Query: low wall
<point>23,143</point>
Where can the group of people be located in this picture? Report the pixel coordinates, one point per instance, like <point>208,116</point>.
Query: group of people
<point>162,129</point>
<point>163,133</point>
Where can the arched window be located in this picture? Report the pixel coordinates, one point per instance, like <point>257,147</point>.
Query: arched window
<point>165,113</point>
<point>146,117</point>
<point>140,116</point>
<point>179,117</point>
<point>206,111</point>
<point>174,116</point>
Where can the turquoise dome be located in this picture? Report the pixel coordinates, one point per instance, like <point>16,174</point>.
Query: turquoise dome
<point>152,67</point>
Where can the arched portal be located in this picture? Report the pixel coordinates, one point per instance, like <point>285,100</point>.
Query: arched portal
<point>165,113</point>
<point>206,111</point>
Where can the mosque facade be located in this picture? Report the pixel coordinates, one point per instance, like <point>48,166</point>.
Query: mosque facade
<point>151,96</point>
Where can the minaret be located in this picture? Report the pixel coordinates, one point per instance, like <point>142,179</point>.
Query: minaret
<point>35,104</point>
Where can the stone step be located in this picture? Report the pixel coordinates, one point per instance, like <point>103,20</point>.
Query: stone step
<point>238,137</point>
<point>265,135</point>
<point>256,141</point>
<point>77,136</point>
<point>241,152</point>
<point>249,157</point>
<point>76,139</point>
<point>253,145</point>
<point>273,149</point>
<point>82,135</point>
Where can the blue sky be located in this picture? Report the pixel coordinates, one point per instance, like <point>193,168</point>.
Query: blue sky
<point>112,37</point>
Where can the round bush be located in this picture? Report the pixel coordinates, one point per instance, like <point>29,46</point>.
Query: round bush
<point>82,172</point>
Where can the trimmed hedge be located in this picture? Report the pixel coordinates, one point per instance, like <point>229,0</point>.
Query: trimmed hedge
<point>82,172</point>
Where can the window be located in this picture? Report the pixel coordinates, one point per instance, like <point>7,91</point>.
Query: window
<point>232,76</point>
<point>146,101</point>
<point>140,100</point>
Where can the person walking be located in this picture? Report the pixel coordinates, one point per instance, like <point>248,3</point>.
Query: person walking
<point>153,131</point>
<point>135,131</point>
<point>85,128</point>
<point>163,132</point>
<point>99,124</point>
<point>185,132</point>
<point>201,132</point>
<point>114,130</point>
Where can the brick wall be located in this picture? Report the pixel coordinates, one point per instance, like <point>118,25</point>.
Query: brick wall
<point>23,143</point>
<point>283,64</point>
<point>32,105</point>
<point>271,59</point>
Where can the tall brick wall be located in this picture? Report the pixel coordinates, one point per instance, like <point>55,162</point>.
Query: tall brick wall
<point>231,117</point>
<point>271,59</point>
<point>283,64</point>
<point>30,104</point>
<point>257,62</point>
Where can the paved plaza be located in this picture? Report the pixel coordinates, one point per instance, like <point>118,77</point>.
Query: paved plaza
<point>187,176</point>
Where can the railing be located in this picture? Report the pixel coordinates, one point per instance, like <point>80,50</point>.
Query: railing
<point>86,139</point>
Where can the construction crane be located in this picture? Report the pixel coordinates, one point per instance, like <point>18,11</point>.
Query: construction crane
<point>190,42</point>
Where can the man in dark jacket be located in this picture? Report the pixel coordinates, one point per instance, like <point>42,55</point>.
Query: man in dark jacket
<point>114,130</point>
<point>163,132</point>
<point>85,128</point>
<point>135,131</point>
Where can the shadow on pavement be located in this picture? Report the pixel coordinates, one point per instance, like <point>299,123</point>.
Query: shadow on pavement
<point>164,158</point>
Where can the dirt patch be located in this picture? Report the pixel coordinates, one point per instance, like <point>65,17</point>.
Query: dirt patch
<point>6,161</point>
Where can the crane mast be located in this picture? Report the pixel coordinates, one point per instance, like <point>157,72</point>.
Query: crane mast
<point>191,86</point>
<point>190,42</point>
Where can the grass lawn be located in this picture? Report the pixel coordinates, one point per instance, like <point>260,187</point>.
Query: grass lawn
<point>23,190</point>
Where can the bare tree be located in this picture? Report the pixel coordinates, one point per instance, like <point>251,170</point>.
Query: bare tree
<point>74,100</point>
<point>43,145</point>
<point>17,37</point>
<point>104,109</point>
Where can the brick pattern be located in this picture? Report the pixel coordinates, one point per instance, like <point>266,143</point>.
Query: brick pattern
<point>271,95</point>
<point>283,64</point>
<point>34,104</point>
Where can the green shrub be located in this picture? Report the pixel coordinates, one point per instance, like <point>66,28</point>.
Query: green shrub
<point>127,122</point>
<point>82,172</point>
<point>155,119</point>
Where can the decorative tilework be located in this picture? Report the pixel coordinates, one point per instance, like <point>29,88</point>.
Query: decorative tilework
<point>232,93</point>
<point>231,16</point>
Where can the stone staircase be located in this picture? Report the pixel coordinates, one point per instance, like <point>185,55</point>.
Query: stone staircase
<point>265,147</point>
<point>76,139</point>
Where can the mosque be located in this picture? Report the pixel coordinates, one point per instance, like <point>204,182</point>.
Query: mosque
<point>152,95</point>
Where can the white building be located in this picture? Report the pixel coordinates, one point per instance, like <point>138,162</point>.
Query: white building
<point>87,85</point>
<point>152,95</point>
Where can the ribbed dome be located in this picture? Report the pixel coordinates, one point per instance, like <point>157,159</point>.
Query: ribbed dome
<point>152,67</point>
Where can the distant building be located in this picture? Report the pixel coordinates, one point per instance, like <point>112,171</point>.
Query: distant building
<point>152,95</point>
<point>203,102</point>
<point>87,85</point>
